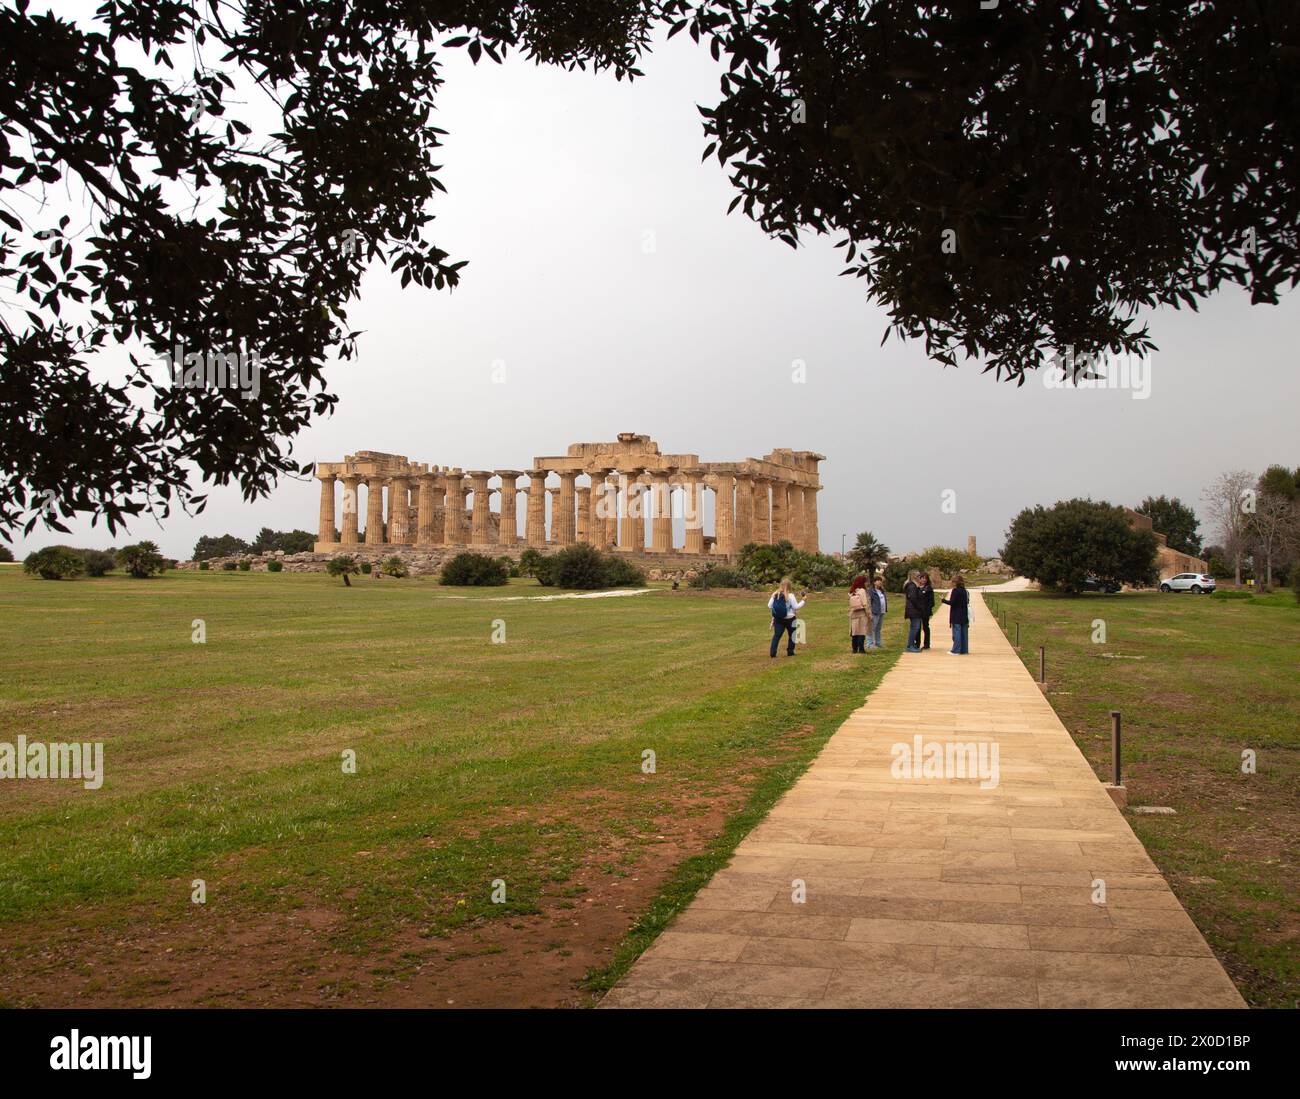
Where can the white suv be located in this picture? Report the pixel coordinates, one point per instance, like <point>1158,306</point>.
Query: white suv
<point>1195,582</point>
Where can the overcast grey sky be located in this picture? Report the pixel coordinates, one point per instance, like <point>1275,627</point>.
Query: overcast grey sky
<point>607,279</point>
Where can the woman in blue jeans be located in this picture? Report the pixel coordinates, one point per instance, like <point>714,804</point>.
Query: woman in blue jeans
<point>783,606</point>
<point>959,617</point>
<point>879,605</point>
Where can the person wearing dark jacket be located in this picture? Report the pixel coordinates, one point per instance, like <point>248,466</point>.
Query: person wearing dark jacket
<point>959,617</point>
<point>913,611</point>
<point>927,608</point>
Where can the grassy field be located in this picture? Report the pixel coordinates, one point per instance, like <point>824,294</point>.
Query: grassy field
<point>1198,681</point>
<point>475,762</point>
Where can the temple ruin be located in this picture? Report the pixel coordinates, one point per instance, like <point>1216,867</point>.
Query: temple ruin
<point>412,504</point>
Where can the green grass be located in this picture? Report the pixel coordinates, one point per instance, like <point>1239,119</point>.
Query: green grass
<point>1198,680</point>
<point>475,761</point>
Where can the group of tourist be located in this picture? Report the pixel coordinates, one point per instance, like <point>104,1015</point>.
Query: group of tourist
<point>868,605</point>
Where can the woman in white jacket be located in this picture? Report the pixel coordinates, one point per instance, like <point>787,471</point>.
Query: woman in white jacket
<point>783,606</point>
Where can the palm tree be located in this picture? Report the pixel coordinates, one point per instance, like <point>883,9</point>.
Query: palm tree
<point>867,553</point>
<point>343,565</point>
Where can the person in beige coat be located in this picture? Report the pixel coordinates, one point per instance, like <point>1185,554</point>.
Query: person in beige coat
<point>859,614</point>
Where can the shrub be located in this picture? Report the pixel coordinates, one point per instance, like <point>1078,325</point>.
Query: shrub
<point>141,560</point>
<point>275,566</point>
<point>98,562</point>
<point>510,565</point>
<point>343,565</point>
<point>245,565</point>
<point>947,561</point>
<point>394,566</point>
<point>767,564</point>
<point>720,576</point>
<point>621,573</point>
<point>473,570</point>
<point>544,571</point>
<point>1062,545</point>
<point>585,568</point>
<point>817,571</point>
<point>228,566</point>
<point>896,576</point>
<point>54,563</point>
<point>204,566</point>
<point>528,562</point>
<point>366,567</point>
<point>6,554</point>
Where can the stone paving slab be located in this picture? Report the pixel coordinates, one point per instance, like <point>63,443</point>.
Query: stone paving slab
<point>870,887</point>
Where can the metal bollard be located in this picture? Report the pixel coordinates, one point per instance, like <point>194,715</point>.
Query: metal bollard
<point>1115,748</point>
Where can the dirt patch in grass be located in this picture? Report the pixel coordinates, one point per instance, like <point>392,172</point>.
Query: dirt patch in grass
<point>289,959</point>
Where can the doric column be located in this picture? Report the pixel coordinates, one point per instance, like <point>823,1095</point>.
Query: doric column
<point>562,518</point>
<point>584,514</point>
<point>375,511</point>
<point>780,511</point>
<point>795,516</point>
<point>695,510</point>
<point>397,509</point>
<point>427,533</point>
<point>628,538</point>
<point>810,521</point>
<point>453,509</point>
<point>599,509</point>
<point>744,511</point>
<point>762,527</point>
<point>661,513</point>
<point>607,513</point>
<point>508,524</point>
<point>350,505</point>
<point>535,533</point>
<point>481,525</point>
<point>326,507</point>
<point>724,538</point>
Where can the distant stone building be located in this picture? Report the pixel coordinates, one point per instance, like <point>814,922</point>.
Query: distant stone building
<point>1169,562</point>
<point>430,508</point>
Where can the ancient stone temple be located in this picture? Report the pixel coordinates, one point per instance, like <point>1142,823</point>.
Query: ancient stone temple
<point>621,496</point>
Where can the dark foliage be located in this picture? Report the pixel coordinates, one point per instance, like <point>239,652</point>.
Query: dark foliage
<point>54,563</point>
<point>585,568</point>
<point>1083,161</point>
<point>1175,520</point>
<point>141,560</point>
<point>472,570</point>
<point>898,127</point>
<point>290,541</point>
<point>98,562</point>
<point>225,545</point>
<point>1062,545</point>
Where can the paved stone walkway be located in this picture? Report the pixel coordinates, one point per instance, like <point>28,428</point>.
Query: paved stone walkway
<point>934,892</point>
